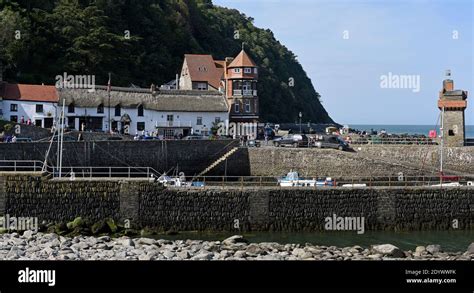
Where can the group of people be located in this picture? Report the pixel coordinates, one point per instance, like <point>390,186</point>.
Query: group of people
<point>9,138</point>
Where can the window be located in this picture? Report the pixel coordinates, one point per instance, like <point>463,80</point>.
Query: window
<point>255,70</point>
<point>202,68</point>
<point>217,119</point>
<point>39,122</point>
<point>237,107</point>
<point>450,132</point>
<point>39,108</point>
<point>248,70</point>
<point>140,110</point>
<point>140,126</point>
<point>236,70</point>
<point>14,118</point>
<point>100,109</point>
<point>247,106</point>
<point>118,110</point>
<point>169,117</point>
<point>13,108</point>
<point>71,108</point>
<point>202,86</point>
<point>199,121</point>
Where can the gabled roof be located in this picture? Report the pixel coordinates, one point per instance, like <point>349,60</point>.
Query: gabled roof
<point>29,92</point>
<point>203,68</point>
<point>242,60</point>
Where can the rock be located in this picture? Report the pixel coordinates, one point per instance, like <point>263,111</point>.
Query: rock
<point>203,256</point>
<point>28,234</point>
<point>240,254</point>
<point>253,249</point>
<point>298,252</point>
<point>234,239</point>
<point>146,241</point>
<point>100,227</point>
<point>433,248</point>
<point>127,242</point>
<point>387,250</point>
<point>420,249</point>
<point>103,238</point>
<point>168,254</point>
<point>183,254</point>
<point>111,224</point>
<point>77,223</point>
<point>470,248</point>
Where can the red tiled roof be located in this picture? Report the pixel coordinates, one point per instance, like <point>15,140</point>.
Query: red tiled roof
<point>242,60</point>
<point>30,92</point>
<point>203,68</point>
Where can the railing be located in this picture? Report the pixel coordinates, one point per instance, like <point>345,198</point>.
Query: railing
<point>21,166</point>
<point>390,140</point>
<point>247,93</point>
<point>174,124</point>
<point>77,171</point>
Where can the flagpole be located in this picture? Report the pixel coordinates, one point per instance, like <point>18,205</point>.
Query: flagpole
<point>108,90</point>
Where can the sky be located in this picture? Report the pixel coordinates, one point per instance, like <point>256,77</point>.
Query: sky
<point>354,51</point>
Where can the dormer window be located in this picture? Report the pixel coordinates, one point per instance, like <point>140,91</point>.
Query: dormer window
<point>236,70</point>
<point>202,68</point>
<point>248,70</point>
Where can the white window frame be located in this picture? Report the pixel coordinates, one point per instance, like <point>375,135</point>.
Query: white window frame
<point>199,119</point>
<point>247,106</point>
<point>202,86</point>
<point>236,70</point>
<point>247,70</point>
<point>237,108</point>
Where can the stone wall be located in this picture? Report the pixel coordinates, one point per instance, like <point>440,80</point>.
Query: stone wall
<point>235,209</point>
<point>190,157</point>
<point>365,161</point>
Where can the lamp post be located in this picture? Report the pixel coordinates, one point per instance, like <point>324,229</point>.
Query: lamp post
<point>300,115</point>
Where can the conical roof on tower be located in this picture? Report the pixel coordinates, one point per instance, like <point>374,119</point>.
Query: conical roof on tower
<point>242,60</point>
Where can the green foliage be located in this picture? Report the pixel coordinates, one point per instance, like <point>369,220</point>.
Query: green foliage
<point>91,37</point>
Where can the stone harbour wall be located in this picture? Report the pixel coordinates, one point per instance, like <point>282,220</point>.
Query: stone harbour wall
<point>147,204</point>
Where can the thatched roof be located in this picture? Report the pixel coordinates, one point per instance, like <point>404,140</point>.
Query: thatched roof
<point>164,100</point>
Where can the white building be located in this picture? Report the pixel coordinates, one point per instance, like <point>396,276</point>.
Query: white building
<point>23,102</point>
<point>131,111</point>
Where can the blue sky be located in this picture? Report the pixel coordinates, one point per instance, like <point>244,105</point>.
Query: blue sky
<point>405,37</point>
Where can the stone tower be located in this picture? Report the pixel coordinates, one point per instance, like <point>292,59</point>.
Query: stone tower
<point>454,103</point>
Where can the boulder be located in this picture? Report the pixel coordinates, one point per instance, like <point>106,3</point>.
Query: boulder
<point>387,250</point>
<point>235,239</point>
<point>28,234</point>
<point>470,248</point>
<point>420,249</point>
<point>434,248</point>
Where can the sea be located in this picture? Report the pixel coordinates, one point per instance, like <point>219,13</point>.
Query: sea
<point>406,129</point>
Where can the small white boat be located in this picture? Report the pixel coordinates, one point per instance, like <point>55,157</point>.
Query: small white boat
<point>180,181</point>
<point>293,179</point>
<point>354,185</point>
<point>449,184</point>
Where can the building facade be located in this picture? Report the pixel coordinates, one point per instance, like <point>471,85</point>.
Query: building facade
<point>124,110</point>
<point>235,77</point>
<point>453,102</point>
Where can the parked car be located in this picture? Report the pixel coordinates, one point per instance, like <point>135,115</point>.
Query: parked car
<point>196,137</point>
<point>253,143</point>
<point>331,141</point>
<point>294,140</point>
